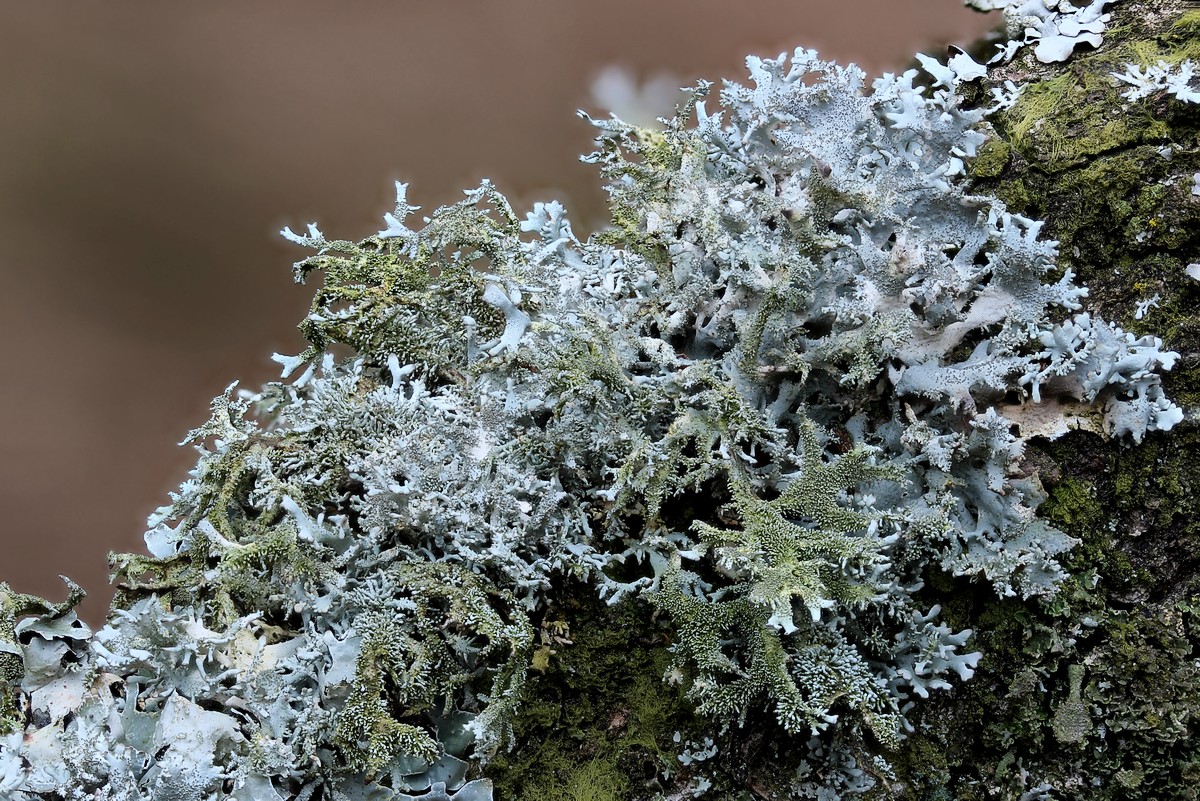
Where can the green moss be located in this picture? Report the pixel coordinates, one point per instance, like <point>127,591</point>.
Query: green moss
<point>1157,485</point>
<point>12,668</point>
<point>368,734</point>
<point>602,718</point>
<point>1187,26</point>
<point>598,722</point>
<point>921,763</point>
<point>1147,690</point>
<point>1064,121</point>
<point>1015,194</point>
<point>1181,42</point>
<point>1072,505</point>
<point>1069,118</point>
<point>573,776</point>
<point>597,780</point>
<point>993,158</point>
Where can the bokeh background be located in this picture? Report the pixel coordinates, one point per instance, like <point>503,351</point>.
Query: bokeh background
<point>150,152</point>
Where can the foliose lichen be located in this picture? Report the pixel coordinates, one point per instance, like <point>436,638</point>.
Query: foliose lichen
<point>1055,28</point>
<point>1176,80</point>
<point>795,381</point>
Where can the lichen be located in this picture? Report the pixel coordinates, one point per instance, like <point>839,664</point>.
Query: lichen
<point>726,498</point>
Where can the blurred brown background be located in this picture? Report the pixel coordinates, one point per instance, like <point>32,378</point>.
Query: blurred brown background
<point>150,152</point>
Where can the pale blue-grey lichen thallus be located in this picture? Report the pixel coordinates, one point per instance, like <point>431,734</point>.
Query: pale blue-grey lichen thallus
<point>799,311</point>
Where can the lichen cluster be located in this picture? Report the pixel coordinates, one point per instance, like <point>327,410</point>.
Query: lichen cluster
<point>1093,696</point>
<point>1055,28</point>
<point>795,384</point>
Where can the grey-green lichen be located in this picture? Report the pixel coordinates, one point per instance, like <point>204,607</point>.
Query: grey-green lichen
<point>1113,177</point>
<point>780,417</point>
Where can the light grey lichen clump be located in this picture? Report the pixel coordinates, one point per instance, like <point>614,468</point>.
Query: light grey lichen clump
<point>1054,27</point>
<point>1179,80</point>
<point>793,381</point>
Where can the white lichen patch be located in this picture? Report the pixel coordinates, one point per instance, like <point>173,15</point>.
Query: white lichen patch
<point>1055,28</point>
<point>1178,80</point>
